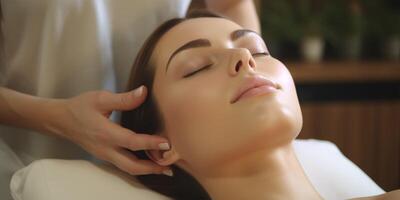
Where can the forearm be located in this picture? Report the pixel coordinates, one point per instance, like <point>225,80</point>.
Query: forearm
<point>26,111</point>
<point>242,12</point>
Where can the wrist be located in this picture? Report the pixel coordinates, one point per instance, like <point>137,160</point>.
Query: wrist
<point>27,111</point>
<point>52,119</point>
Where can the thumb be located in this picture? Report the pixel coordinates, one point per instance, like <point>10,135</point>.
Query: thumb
<point>127,100</point>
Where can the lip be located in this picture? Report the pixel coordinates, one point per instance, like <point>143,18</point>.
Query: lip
<point>254,85</point>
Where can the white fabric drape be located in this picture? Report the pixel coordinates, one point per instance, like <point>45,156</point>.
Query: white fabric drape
<point>61,48</point>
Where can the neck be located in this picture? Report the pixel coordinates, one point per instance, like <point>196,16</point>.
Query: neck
<point>268,174</point>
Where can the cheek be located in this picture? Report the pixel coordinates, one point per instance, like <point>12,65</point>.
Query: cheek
<point>191,110</point>
<point>288,103</point>
<point>189,101</point>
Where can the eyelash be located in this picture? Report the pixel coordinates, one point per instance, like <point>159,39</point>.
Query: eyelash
<point>260,54</point>
<point>209,65</point>
<point>198,70</point>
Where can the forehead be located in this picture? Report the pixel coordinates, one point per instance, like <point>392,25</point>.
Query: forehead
<point>213,29</point>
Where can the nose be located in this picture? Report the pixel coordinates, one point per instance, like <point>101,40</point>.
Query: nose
<point>242,61</point>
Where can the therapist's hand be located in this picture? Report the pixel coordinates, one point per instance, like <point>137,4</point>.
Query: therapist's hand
<point>85,121</point>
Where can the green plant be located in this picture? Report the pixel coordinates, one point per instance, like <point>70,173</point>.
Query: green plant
<point>344,19</point>
<point>293,19</point>
<point>382,18</point>
<point>310,17</point>
<point>278,20</point>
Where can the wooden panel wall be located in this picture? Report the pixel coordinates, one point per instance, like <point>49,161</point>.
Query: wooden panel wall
<point>368,133</point>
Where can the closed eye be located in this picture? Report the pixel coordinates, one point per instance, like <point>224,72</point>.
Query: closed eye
<point>260,54</point>
<point>198,70</point>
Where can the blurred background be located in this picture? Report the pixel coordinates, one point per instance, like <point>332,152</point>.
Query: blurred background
<point>344,57</point>
<point>318,30</point>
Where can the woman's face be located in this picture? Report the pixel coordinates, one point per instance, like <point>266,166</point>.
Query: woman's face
<point>204,67</point>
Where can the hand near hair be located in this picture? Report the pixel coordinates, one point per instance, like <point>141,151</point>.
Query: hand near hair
<point>84,120</point>
<point>86,123</point>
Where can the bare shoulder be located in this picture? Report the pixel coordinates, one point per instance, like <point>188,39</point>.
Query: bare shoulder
<point>393,195</point>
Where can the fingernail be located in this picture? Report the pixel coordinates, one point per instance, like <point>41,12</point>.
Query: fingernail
<point>138,91</point>
<point>163,146</point>
<point>164,155</point>
<point>168,172</point>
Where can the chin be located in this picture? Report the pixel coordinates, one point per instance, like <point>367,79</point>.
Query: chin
<point>277,125</point>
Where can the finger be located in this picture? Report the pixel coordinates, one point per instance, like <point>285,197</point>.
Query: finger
<point>128,162</point>
<point>125,101</point>
<point>135,141</point>
<point>146,142</point>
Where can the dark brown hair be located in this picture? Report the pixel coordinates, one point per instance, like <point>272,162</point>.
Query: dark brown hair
<point>146,118</point>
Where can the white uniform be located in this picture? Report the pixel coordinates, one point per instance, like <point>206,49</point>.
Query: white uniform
<point>61,48</point>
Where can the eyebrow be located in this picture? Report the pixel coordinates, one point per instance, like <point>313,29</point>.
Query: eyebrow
<point>235,35</point>
<point>241,32</point>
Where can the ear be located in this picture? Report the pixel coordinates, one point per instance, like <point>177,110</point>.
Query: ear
<point>163,157</point>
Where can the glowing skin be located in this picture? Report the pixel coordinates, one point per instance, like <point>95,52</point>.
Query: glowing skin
<point>228,146</point>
